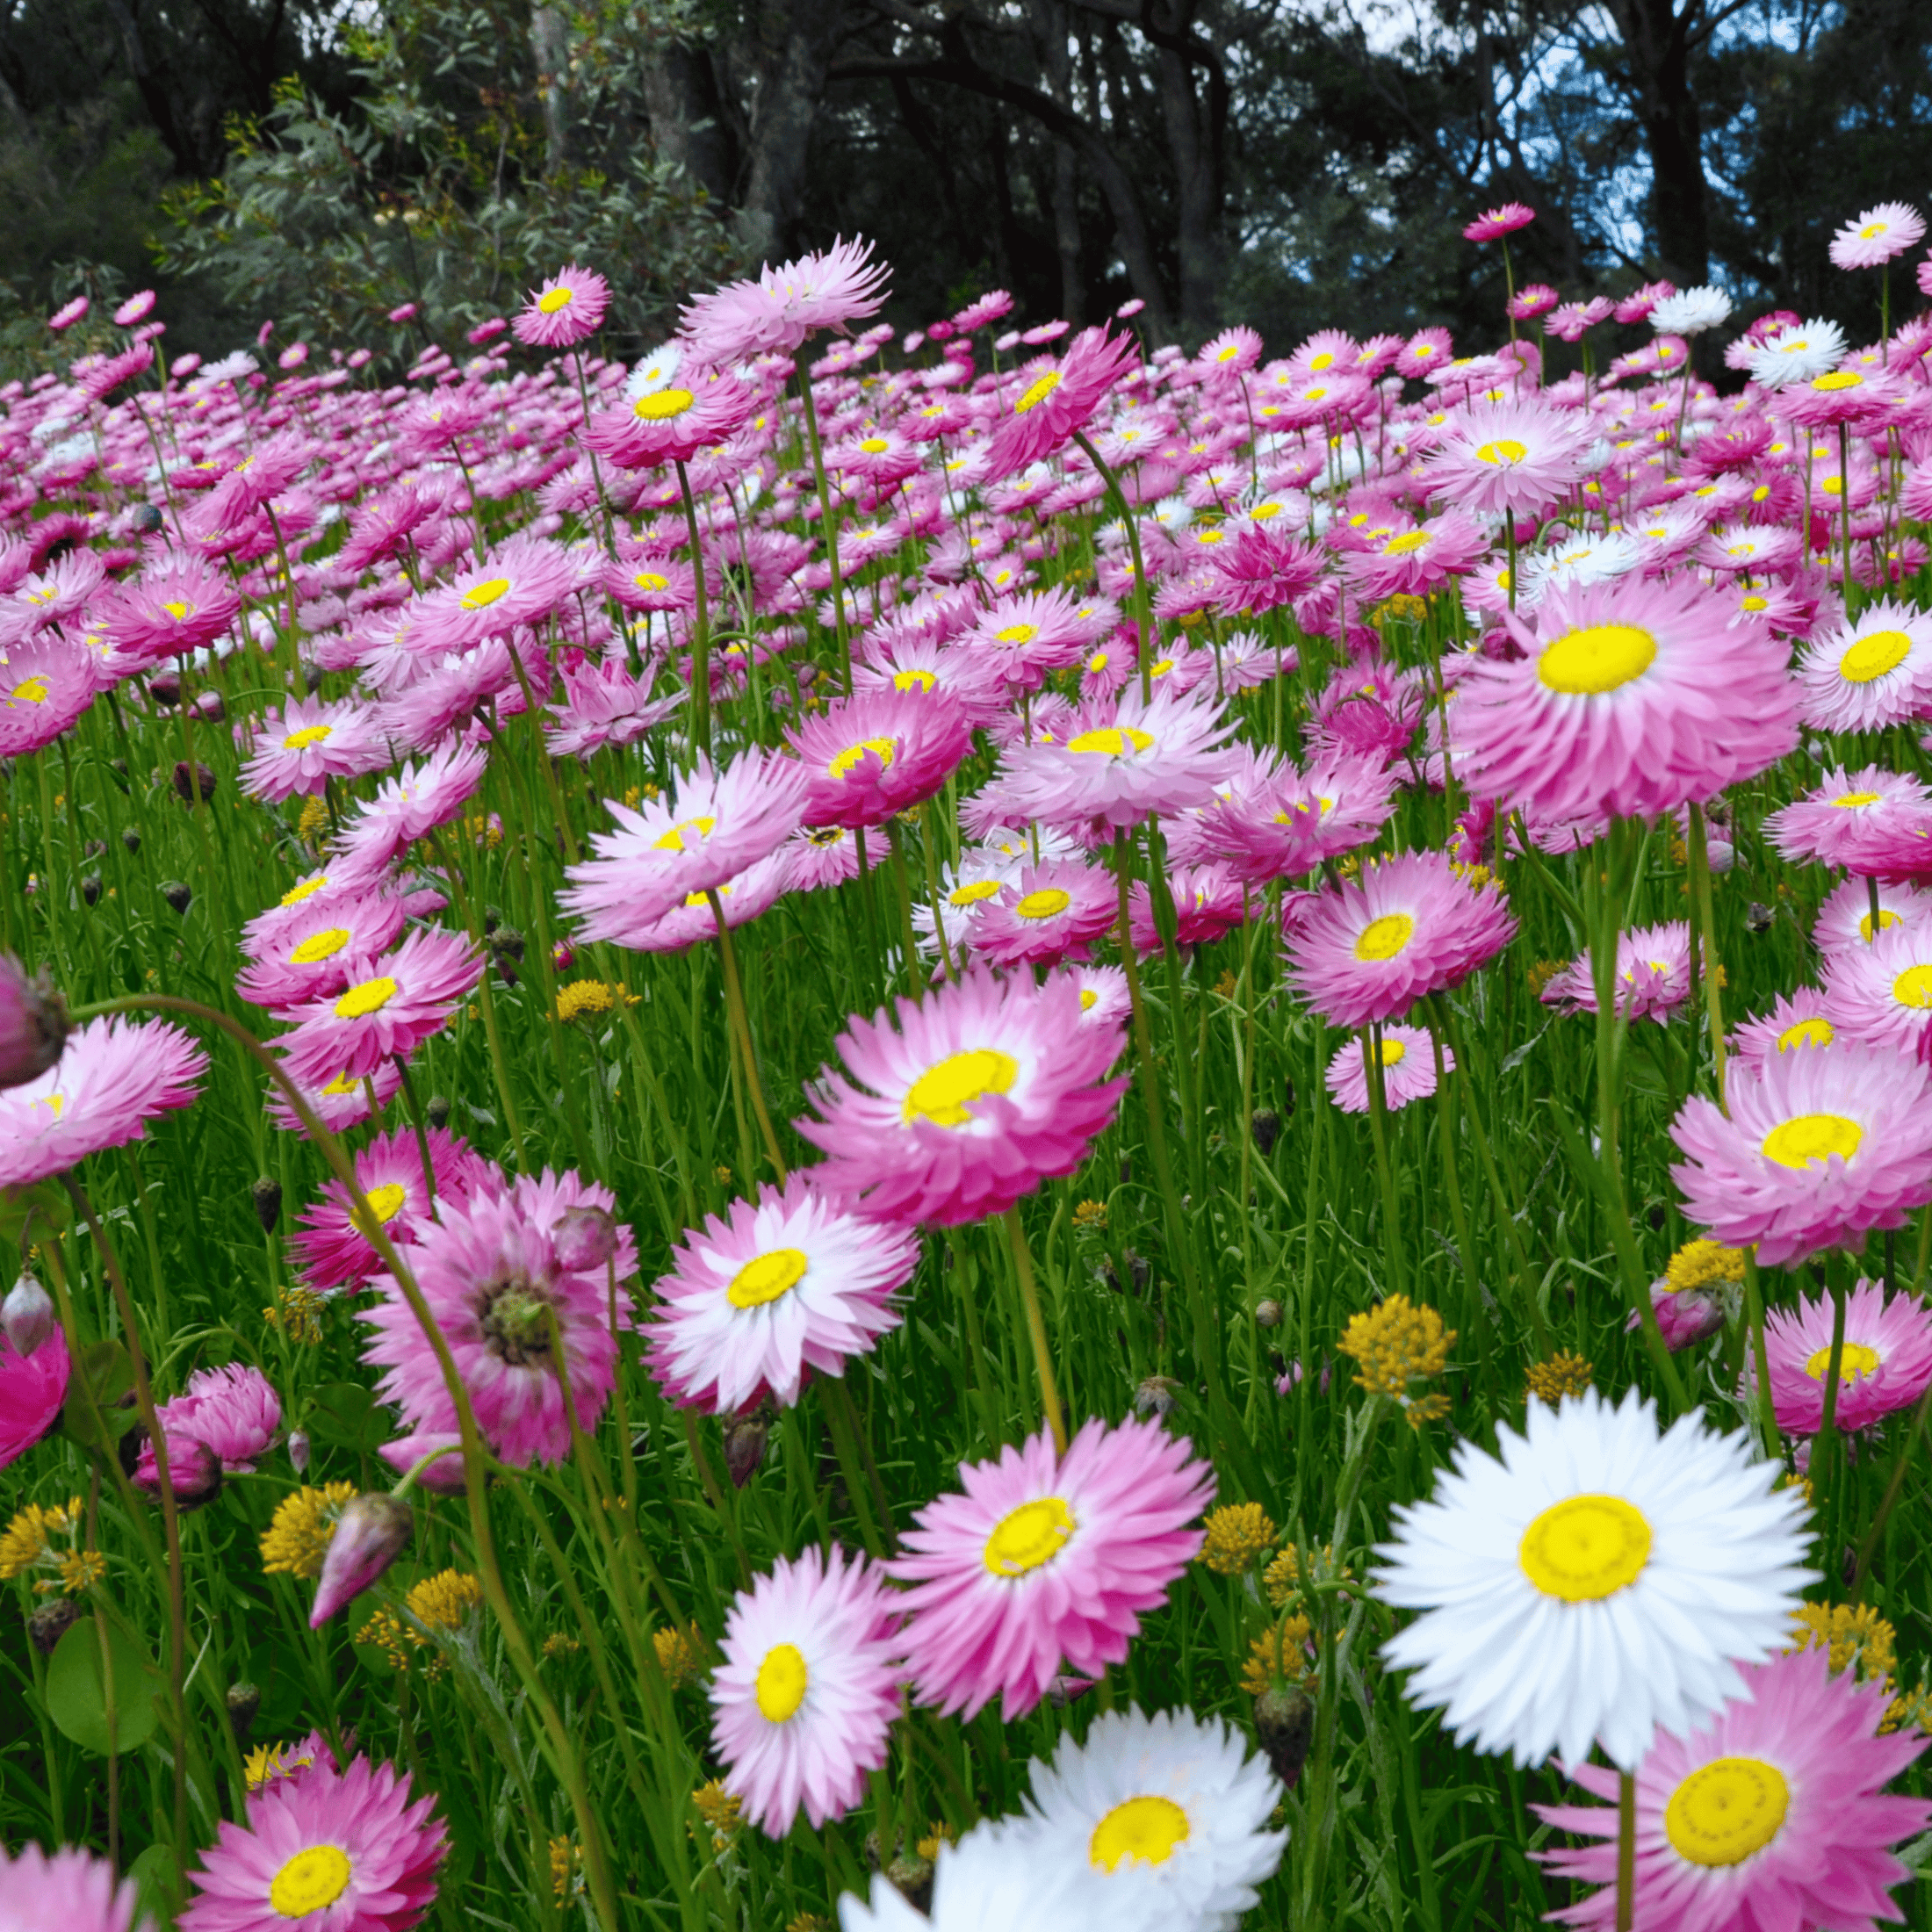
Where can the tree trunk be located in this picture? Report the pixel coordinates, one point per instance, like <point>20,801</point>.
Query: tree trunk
<point>788,48</point>
<point>688,125</point>
<point>1195,132</point>
<point>550,53</point>
<point>1050,33</point>
<point>1656,43</point>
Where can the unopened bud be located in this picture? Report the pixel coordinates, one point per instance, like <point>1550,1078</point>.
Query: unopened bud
<point>131,837</point>
<point>90,888</point>
<point>744,1442</point>
<point>194,1469</point>
<point>584,1238</point>
<point>178,895</point>
<point>164,687</point>
<point>370,1533</point>
<point>1267,1130</point>
<point>913,1877</point>
<point>244,1700</point>
<point>1156,1396</point>
<point>32,1024</point>
<point>1267,1313</point>
<point>51,1622</point>
<point>298,1450</point>
<point>26,1315</point>
<point>1284,1726</point>
<point>267,1194</point>
<point>186,785</point>
<point>437,1108</point>
<point>211,705</point>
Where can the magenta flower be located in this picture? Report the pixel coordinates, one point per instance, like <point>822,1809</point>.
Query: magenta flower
<point>1819,1150</point>
<point>809,1685</point>
<point>870,757</point>
<point>45,685</point>
<point>1054,911</point>
<point>70,1888</point>
<point>1409,1069</point>
<point>1880,993</point>
<point>33,1386</point>
<point>569,307</point>
<point>775,314</point>
<point>1653,976</point>
<point>181,607</point>
<point>257,479</point>
<point>233,1409</point>
<point>1835,823</point>
<point>420,799</point>
<point>789,1282</point>
<point>489,1269</point>
<point>1508,458</point>
<point>1058,399</point>
<point>112,1077</point>
<point>68,313</point>
<point>670,425</point>
<point>370,1534</point>
<point>1878,236</point>
<point>1407,928</point>
<point>1045,1563</point>
<point>329,1851</point>
<point>1885,1363</point>
<point>965,1106</point>
<point>1291,821</point>
<point>301,747</point>
<point>336,1252</point>
<point>1493,223</point>
<point>306,955</point>
<point>1794,1024</point>
<point>1209,901</point>
<point>394,1003</point>
<point>1769,1813</point>
<point>32,1024</point>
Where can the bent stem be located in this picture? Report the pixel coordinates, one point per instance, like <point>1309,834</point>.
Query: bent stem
<point>1036,1328</point>
<point>741,1029</point>
<point>1378,1124</point>
<point>1132,525</point>
<point>700,627</point>
<point>1700,888</point>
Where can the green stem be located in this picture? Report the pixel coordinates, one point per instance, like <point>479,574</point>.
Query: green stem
<point>700,625</point>
<point>1036,1329</point>
<point>741,1027</point>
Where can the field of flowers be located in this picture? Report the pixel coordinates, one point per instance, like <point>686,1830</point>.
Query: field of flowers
<point>968,1127</point>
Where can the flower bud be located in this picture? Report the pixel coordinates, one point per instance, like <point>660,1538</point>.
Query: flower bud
<point>26,1315</point>
<point>244,1700</point>
<point>298,1450</point>
<point>584,1238</point>
<point>1267,1130</point>
<point>187,785</point>
<point>33,1025</point>
<point>178,894</point>
<point>48,1623</point>
<point>268,1202</point>
<point>437,1107</point>
<point>1267,1313</point>
<point>194,1469</point>
<point>744,1440</point>
<point>1154,1396</point>
<point>1284,1726</point>
<point>370,1533</point>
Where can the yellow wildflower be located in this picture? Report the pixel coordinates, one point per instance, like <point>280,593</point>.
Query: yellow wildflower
<point>1091,1216</point>
<point>313,822</point>
<point>592,999</point>
<point>297,1536</point>
<point>1542,973</point>
<point>557,1645</point>
<point>1704,1265</point>
<point>28,1545</point>
<point>1853,1636</point>
<point>266,1762</point>
<point>566,1869</point>
<point>386,1632</point>
<point>720,1810</point>
<point>1236,1534</point>
<point>680,1653</point>
<point>1394,1344</point>
<point>1277,1656</point>
<point>298,1314</point>
<point>1282,1579</point>
<point>443,1601</point>
<point>1565,1373</point>
<point>940,1834</point>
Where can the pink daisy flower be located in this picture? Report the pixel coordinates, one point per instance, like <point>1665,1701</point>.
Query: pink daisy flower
<point>709,827</point>
<point>670,425</point>
<point>1877,236</point>
<point>921,664</point>
<point>1844,919</point>
<point>817,857</point>
<point>1409,1069</point>
<point>341,1101</point>
<point>308,956</point>
<point>1885,1363</point>
<point>1124,760</point>
<point>33,1386</point>
<point>1513,457</point>
<point>522,582</point>
<point>68,313</point>
<point>488,1268</point>
<point>1058,399</point>
<point>1105,1000</point>
<point>263,474</point>
<point>1793,1025</point>
<point>775,314</point>
<point>1493,223</point>
<point>394,1003</point>
<point>1819,1150</point>
<point>1293,820</point>
<point>113,1076</point>
<point>870,757</point>
<point>305,743</point>
<point>1026,636</point>
<point>1685,1316</point>
<point>1834,821</point>
<point>417,801</point>
<point>45,685</point>
<point>1653,975</point>
<point>1415,562</point>
<point>1056,910</point>
<point>1872,672</point>
<point>746,896</point>
<point>809,1685</point>
<point>1636,698</point>
<point>1044,1564</point>
<point>233,1409</point>
<point>70,1888</point>
<point>1880,994</point>
<point>328,1852</point>
<point>785,1283</point>
<point>1209,901</point>
<point>335,1251</point>
<point>1768,1814</point>
<point>1408,927</point>
<point>967,1104</point>
<point>569,307</point>
<point>181,607</point>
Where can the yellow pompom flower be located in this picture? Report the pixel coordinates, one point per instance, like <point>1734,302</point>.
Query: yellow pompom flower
<point>299,1535</point>
<point>1236,1535</point>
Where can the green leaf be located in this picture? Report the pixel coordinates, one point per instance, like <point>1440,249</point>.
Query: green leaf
<point>105,1368</point>
<point>157,1880</point>
<point>77,1694</point>
<point>45,1205</point>
<point>345,1416</point>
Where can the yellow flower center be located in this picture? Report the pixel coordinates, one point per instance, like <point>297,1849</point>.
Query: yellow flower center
<point>341,1087</point>
<point>179,610</point>
<point>1018,633</point>
<point>295,894</point>
<point>1913,987</point>
<point>481,596</point>
<point>371,996</point>
<point>915,680</point>
<point>29,691</point>
<point>1394,1052</point>
<point>553,299</point>
<point>1089,1000</point>
<point>1599,658</point>
<point>674,840</point>
<point>1038,393</point>
<point>875,445</point>
<point>1852,800</point>
<point>1726,1810</point>
<point>1806,1033</point>
<point>309,734</point>
<point>1812,1137</point>
<point>1886,917</point>
<point>1507,451</point>
<point>971,895</point>
<point>651,580</point>
<point>1044,903</point>
<point>782,1681</point>
<point>1854,1359</point>
<point>662,405</point>
<point>1147,1829</point>
<point>320,945</point>
<point>1113,740</point>
<point>1405,545</point>
<point>313,1878</point>
<point>767,1278</point>
<point>1873,656</point>
<point>1873,230</point>
<point>1585,1548</point>
<point>854,754</point>
<point>1839,378</point>
<point>944,1094</point>
<point>1384,938</point>
<point>1026,1537</point>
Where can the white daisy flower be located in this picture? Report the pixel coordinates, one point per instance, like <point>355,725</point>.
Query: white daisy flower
<point>1691,312</point>
<point>1601,1579</point>
<point>1166,1814</point>
<point>1798,353</point>
<point>1587,558</point>
<point>654,372</point>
